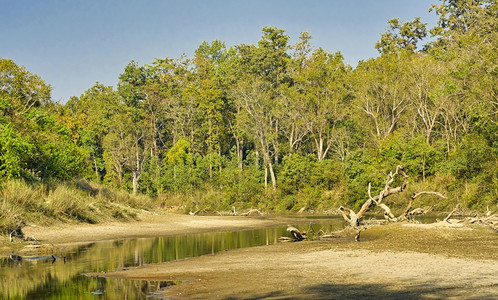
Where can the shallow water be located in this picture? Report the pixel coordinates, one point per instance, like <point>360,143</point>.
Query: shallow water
<point>63,277</point>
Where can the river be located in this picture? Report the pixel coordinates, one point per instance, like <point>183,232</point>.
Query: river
<point>62,276</point>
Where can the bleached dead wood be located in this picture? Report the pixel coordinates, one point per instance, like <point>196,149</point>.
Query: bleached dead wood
<point>232,212</point>
<point>489,219</point>
<point>451,213</point>
<point>296,234</point>
<point>17,230</point>
<point>354,219</point>
<point>252,212</point>
<point>197,211</point>
<point>408,213</point>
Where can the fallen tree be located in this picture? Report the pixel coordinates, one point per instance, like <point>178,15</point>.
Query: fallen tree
<point>354,219</point>
<point>232,212</point>
<point>489,219</point>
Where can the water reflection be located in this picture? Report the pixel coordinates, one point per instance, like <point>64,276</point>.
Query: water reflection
<point>44,278</point>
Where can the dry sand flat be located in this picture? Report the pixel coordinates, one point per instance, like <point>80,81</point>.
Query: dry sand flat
<point>314,270</point>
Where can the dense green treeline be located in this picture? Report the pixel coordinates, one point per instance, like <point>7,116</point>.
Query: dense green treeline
<point>276,125</point>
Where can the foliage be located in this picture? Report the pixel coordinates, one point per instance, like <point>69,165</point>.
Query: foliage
<point>401,36</point>
<point>271,125</point>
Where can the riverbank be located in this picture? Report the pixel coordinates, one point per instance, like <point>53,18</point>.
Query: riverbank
<point>391,262</point>
<point>147,225</point>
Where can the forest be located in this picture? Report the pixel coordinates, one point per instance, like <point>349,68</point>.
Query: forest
<point>273,125</point>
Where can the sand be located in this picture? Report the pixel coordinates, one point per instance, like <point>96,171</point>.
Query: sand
<point>397,262</point>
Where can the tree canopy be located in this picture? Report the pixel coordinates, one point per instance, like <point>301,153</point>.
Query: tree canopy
<point>276,124</point>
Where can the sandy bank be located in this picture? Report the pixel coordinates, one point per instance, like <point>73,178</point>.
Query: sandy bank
<point>150,225</point>
<point>392,262</point>
<point>317,270</point>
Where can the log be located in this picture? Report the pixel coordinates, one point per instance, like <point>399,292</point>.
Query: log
<point>197,211</point>
<point>451,214</point>
<point>232,212</point>
<point>252,211</point>
<point>296,234</point>
<point>17,230</point>
<point>488,219</point>
<point>354,218</point>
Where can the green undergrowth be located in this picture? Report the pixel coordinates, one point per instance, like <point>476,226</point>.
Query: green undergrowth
<point>316,201</point>
<point>73,201</point>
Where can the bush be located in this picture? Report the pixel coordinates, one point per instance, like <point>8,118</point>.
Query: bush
<point>17,202</point>
<point>296,173</point>
<point>469,158</point>
<point>69,204</point>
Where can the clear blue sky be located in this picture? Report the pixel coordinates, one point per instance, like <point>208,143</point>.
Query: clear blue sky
<point>73,44</point>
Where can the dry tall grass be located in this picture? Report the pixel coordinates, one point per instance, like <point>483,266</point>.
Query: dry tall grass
<point>75,201</point>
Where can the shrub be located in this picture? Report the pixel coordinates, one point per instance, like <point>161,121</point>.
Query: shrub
<point>70,204</point>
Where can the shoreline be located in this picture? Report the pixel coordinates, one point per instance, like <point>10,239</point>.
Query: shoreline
<point>339,268</point>
<point>391,261</point>
<point>149,225</point>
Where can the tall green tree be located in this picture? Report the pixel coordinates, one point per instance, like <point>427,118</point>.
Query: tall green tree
<point>323,91</point>
<point>381,93</point>
<point>254,97</point>
<point>33,144</point>
<point>404,36</point>
<point>212,98</point>
<point>23,89</point>
<point>88,119</point>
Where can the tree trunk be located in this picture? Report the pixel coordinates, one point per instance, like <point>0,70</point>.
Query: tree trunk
<point>135,179</point>
<point>95,167</point>
<point>272,175</point>
<point>268,163</point>
<point>240,145</point>
<point>266,176</point>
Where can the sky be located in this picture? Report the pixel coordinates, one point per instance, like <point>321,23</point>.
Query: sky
<point>74,44</point>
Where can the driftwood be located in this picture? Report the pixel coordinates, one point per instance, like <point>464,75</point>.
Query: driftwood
<point>18,233</point>
<point>354,219</point>
<point>409,213</point>
<point>252,211</point>
<point>457,208</point>
<point>197,211</point>
<point>295,233</point>
<point>17,230</point>
<point>232,212</point>
<point>489,219</point>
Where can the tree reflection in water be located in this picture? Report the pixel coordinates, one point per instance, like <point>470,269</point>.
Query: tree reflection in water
<point>41,277</point>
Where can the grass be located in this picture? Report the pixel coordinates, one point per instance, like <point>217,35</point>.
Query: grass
<point>75,201</point>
